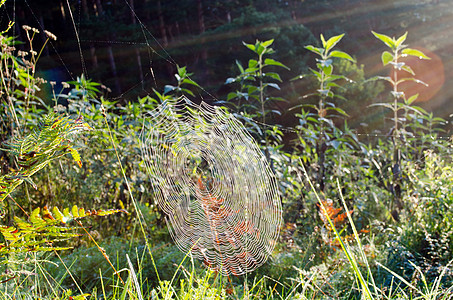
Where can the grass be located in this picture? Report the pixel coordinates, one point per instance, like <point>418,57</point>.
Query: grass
<point>188,283</point>
<point>131,282</point>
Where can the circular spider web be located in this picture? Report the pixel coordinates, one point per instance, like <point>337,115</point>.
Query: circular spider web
<point>213,183</point>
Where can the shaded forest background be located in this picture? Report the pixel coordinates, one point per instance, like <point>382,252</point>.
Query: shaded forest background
<point>133,46</point>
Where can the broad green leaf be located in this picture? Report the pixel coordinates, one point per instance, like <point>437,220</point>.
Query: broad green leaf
<point>318,75</point>
<point>272,62</point>
<point>414,52</point>
<point>253,63</point>
<point>251,89</point>
<point>408,69</point>
<point>260,49</point>
<point>333,41</point>
<point>328,70</point>
<point>385,39</point>
<point>339,110</point>
<point>190,81</point>
<point>250,46</point>
<point>189,92</point>
<point>386,57</point>
<point>319,51</point>
<point>182,71</point>
<point>411,99</point>
<point>401,39</point>
<point>274,85</point>
<point>267,43</point>
<point>341,54</point>
<point>273,75</point>
<point>332,84</point>
<point>231,95</point>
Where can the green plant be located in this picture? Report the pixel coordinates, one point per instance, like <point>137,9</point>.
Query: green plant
<point>401,106</point>
<point>254,81</point>
<point>318,131</point>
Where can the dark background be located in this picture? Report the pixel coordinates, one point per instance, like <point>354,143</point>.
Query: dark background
<point>133,46</point>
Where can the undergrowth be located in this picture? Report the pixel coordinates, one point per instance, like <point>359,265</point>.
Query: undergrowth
<point>362,220</point>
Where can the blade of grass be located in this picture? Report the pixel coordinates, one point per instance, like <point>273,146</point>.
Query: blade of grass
<point>356,236</point>
<point>346,250</point>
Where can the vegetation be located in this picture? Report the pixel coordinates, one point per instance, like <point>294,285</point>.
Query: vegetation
<point>363,218</point>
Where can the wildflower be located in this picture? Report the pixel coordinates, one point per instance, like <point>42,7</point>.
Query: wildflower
<point>22,53</point>
<point>26,27</point>
<point>33,52</point>
<point>52,83</point>
<point>50,35</point>
<point>65,85</point>
<point>34,30</point>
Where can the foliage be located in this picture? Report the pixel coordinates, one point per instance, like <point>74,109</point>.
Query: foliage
<point>339,239</point>
<point>253,98</point>
<point>317,131</point>
<point>403,113</point>
<point>49,141</point>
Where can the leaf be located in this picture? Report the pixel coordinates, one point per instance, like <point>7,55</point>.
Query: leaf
<point>412,79</point>
<point>333,41</point>
<point>375,78</point>
<point>250,46</point>
<point>408,69</point>
<point>240,67</point>
<point>339,110</point>
<point>328,70</point>
<point>319,51</point>
<point>274,85</point>
<point>253,63</point>
<point>401,40</point>
<point>231,95</point>
<point>267,43</point>
<point>272,62</point>
<point>318,75</point>
<point>76,156</point>
<point>414,52</point>
<point>190,81</point>
<point>273,75</point>
<point>323,41</point>
<point>387,105</point>
<point>411,99</point>
<point>341,54</point>
<point>386,57</point>
<point>385,39</point>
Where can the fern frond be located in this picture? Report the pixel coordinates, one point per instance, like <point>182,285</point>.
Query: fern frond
<point>51,139</point>
<point>44,228</point>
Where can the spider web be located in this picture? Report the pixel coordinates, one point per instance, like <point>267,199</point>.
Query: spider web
<point>209,176</point>
<point>214,185</point>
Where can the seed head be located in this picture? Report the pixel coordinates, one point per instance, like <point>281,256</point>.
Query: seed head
<point>50,35</point>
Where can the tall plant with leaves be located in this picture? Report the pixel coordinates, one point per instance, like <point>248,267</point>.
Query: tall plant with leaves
<point>254,83</point>
<point>318,131</point>
<point>402,104</point>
